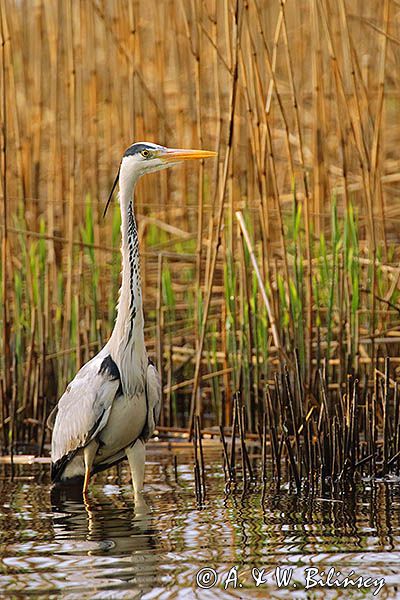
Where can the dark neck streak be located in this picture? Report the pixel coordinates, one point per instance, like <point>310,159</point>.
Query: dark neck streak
<point>126,344</point>
<point>134,271</point>
<point>128,329</point>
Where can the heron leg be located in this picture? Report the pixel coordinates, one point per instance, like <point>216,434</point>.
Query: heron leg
<point>89,452</point>
<point>136,458</point>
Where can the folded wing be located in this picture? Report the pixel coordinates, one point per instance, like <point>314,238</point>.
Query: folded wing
<point>153,394</point>
<point>83,410</point>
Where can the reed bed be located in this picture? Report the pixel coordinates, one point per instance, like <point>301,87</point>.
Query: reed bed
<point>326,446</point>
<point>271,275</point>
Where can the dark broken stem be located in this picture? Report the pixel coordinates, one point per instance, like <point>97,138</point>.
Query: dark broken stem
<point>264,457</point>
<point>232,462</point>
<point>227,467</point>
<point>245,454</point>
<point>197,479</point>
<point>201,454</point>
<point>386,408</point>
<point>13,412</point>
<point>383,300</point>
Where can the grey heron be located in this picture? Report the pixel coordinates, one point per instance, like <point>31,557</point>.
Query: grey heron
<point>111,407</point>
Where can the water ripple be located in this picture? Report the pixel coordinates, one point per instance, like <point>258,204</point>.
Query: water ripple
<point>55,544</point>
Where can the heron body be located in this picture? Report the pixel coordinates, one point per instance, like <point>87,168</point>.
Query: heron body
<point>111,407</point>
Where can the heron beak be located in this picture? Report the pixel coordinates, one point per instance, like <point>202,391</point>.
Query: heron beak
<point>178,154</point>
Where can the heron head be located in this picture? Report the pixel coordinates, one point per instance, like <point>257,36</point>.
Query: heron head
<point>145,157</point>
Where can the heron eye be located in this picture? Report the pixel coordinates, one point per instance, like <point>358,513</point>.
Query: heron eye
<point>145,153</point>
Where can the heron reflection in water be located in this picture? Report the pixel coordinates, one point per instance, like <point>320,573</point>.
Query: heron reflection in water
<point>111,544</point>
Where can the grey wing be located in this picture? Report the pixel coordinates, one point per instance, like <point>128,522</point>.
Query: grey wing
<point>153,393</point>
<point>83,409</point>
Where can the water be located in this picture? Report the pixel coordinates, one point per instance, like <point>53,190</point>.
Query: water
<point>56,546</point>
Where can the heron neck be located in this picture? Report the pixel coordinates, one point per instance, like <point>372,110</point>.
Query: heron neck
<point>127,339</point>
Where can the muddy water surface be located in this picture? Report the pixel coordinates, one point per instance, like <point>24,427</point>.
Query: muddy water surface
<point>53,545</point>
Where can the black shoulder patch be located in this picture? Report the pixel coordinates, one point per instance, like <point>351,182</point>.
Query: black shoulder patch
<point>109,368</point>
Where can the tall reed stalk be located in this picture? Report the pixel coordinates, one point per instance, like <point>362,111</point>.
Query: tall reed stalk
<point>301,100</point>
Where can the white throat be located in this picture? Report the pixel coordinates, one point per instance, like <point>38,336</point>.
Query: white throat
<point>126,344</point>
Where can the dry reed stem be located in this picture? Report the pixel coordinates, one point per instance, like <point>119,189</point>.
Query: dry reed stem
<point>299,114</point>
<point>272,320</point>
<point>214,252</point>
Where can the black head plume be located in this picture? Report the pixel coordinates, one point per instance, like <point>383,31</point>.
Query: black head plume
<point>112,191</point>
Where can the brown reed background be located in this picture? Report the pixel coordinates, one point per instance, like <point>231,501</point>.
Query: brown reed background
<point>300,99</point>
